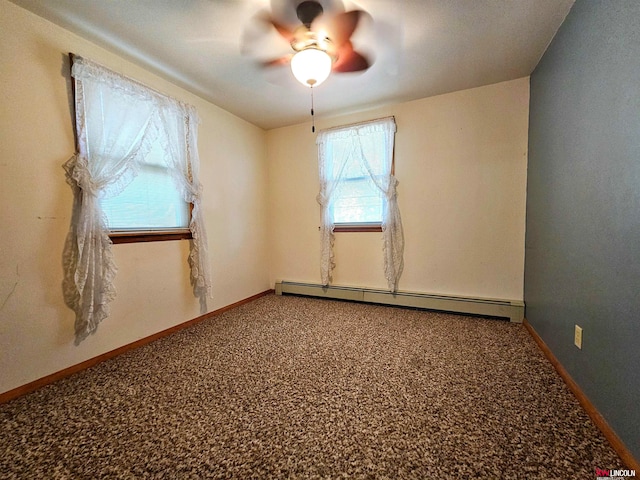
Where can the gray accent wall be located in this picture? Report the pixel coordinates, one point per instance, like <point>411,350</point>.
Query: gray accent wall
<point>582,262</point>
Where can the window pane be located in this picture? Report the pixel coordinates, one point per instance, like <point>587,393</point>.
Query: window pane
<point>359,202</point>
<point>151,201</point>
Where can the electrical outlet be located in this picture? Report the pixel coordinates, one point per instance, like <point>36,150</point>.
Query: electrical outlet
<point>577,337</point>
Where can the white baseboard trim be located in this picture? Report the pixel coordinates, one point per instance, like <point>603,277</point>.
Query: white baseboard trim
<point>511,309</point>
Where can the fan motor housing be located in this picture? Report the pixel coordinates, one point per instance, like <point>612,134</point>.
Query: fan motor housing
<point>308,11</point>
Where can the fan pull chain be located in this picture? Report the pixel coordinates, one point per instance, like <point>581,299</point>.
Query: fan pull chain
<point>313,118</point>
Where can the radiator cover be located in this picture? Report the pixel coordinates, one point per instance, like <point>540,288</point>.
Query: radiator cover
<point>511,309</point>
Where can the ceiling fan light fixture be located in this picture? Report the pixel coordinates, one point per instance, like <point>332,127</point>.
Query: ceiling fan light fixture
<point>311,66</point>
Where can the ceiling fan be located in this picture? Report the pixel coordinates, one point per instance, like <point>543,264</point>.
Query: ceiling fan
<point>321,41</point>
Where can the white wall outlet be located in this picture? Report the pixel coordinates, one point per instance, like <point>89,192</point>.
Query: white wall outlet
<point>577,337</point>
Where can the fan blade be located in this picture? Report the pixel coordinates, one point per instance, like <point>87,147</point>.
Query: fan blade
<point>349,60</point>
<point>283,31</point>
<point>266,19</point>
<point>260,41</point>
<point>276,62</point>
<point>339,27</point>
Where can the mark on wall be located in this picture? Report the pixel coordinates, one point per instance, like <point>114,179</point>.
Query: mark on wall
<point>13,289</point>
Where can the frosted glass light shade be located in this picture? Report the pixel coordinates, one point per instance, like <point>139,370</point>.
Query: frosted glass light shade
<point>311,66</point>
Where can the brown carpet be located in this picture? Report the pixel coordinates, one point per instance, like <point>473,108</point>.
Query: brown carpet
<point>290,387</point>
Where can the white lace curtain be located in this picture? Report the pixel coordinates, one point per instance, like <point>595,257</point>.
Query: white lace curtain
<point>117,122</point>
<point>371,145</point>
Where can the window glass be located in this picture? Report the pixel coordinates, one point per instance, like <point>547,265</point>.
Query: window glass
<point>150,202</point>
<point>358,202</point>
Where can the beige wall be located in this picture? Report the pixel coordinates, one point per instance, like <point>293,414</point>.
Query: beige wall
<point>461,160</point>
<point>36,138</point>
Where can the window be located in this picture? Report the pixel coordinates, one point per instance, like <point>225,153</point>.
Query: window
<point>150,207</point>
<point>356,167</point>
<point>358,190</point>
<point>134,176</point>
<point>358,203</point>
<point>150,202</point>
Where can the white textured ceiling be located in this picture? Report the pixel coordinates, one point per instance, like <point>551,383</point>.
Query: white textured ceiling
<point>422,48</point>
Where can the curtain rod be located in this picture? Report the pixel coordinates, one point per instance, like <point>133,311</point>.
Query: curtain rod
<point>357,124</point>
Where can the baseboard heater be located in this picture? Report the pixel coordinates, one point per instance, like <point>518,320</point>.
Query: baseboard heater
<point>511,309</point>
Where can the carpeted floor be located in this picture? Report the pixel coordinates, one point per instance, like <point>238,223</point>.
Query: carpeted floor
<point>290,387</point>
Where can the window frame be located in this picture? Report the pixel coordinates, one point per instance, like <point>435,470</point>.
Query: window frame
<point>160,236</point>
